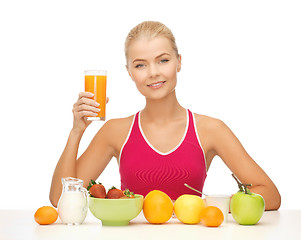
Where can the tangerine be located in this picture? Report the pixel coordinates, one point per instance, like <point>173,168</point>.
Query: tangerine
<point>212,216</point>
<point>188,208</point>
<point>157,207</point>
<point>46,215</point>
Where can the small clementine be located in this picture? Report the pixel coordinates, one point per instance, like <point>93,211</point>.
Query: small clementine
<point>157,207</point>
<point>45,215</point>
<point>212,216</point>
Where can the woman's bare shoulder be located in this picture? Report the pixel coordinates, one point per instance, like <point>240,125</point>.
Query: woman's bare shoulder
<point>117,127</point>
<point>207,122</point>
<point>120,123</point>
<point>113,133</point>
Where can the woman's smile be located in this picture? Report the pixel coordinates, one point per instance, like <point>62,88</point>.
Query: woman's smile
<point>156,85</point>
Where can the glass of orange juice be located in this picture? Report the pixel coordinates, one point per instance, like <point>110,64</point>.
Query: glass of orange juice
<point>96,83</point>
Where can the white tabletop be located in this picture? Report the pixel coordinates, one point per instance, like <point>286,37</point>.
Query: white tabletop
<point>20,224</point>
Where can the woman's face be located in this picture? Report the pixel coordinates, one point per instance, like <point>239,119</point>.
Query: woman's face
<point>153,66</point>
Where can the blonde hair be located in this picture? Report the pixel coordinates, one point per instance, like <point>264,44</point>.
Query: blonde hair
<point>150,29</point>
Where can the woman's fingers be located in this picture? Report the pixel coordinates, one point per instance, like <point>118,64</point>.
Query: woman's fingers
<point>87,114</point>
<point>89,95</point>
<point>85,94</point>
<point>84,114</point>
<point>83,99</point>
<point>86,101</point>
<point>85,107</point>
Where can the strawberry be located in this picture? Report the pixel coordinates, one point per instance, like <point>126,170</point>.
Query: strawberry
<point>115,193</point>
<point>96,190</point>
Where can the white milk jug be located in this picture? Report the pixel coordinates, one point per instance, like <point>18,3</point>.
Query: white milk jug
<point>73,203</point>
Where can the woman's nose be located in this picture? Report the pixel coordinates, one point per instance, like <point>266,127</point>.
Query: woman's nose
<point>153,70</point>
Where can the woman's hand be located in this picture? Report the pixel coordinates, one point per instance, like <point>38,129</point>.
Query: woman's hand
<point>84,107</point>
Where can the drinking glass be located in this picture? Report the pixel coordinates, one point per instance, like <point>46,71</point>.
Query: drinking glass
<point>96,83</point>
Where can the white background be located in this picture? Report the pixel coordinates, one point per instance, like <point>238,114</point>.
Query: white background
<point>241,64</point>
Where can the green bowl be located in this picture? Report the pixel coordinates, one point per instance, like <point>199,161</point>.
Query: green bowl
<point>116,212</point>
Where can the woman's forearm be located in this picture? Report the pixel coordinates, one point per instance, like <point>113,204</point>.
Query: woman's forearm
<point>66,166</point>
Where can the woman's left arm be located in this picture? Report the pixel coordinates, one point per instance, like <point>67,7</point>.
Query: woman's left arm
<point>231,151</point>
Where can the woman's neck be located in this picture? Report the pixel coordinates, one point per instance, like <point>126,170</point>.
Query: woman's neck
<point>164,109</point>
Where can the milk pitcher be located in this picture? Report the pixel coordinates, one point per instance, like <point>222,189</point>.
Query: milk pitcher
<point>73,203</point>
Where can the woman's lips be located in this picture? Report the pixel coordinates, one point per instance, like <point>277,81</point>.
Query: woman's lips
<point>156,85</point>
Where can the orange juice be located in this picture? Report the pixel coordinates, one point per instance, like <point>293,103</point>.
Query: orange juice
<point>96,83</point>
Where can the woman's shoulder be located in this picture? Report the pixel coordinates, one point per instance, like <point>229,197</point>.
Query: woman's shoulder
<point>118,126</point>
<point>120,122</point>
<point>205,122</point>
<point>115,131</point>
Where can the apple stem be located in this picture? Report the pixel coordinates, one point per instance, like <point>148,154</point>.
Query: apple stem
<point>238,182</point>
<point>242,187</point>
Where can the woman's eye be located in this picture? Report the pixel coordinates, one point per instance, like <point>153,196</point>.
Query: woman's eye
<point>139,66</point>
<point>164,60</point>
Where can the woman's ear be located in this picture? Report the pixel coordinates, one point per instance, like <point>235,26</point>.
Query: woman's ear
<point>179,63</point>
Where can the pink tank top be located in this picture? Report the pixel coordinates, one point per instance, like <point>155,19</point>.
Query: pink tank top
<point>143,168</point>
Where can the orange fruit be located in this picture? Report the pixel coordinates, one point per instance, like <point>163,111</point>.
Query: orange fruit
<point>212,216</point>
<point>157,207</point>
<point>188,208</point>
<point>45,215</point>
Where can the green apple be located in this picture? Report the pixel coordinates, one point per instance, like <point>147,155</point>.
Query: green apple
<point>247,208</point>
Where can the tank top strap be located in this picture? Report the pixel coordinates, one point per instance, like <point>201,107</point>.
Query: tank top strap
<point>136,123</point>
<point>135,133</point>
<point>192,135</point>
<point>132,134</point>
<point>191,128</point>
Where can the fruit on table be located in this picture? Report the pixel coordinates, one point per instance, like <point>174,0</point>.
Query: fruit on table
<point>115,193</point>
<point>188,208</point>
<point>45,215</point>
<point>246,207</point>
<point>212,216</point>
<point>96,190</point>
<point>157,207</point>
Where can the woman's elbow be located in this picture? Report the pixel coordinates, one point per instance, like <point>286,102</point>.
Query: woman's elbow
<point>274,203</point>
<point>277,202</point>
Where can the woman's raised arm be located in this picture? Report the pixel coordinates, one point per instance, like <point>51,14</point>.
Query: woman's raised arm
<point>67,164</point>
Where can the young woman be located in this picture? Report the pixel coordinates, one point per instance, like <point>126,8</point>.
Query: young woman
<point>164,145</point>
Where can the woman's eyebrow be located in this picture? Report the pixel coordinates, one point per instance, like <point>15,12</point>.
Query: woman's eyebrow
<point>139,60</point>
<point>162,55</point>
<point>142,60</point>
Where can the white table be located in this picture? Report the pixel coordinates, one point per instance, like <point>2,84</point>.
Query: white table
<point>20,224</point>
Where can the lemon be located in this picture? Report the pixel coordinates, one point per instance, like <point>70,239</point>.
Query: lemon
<point>188,208</point>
